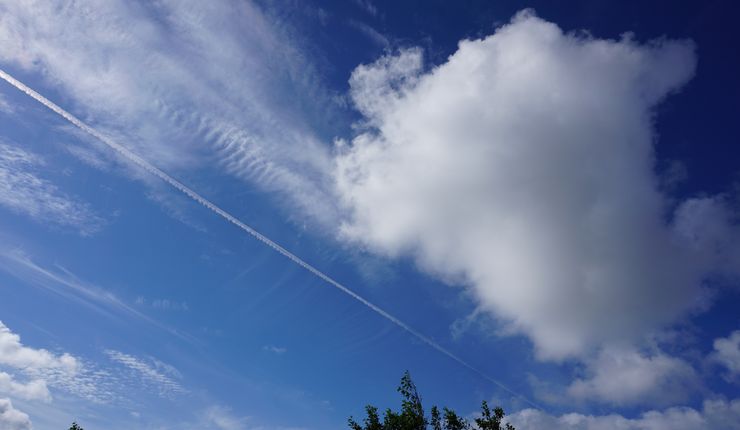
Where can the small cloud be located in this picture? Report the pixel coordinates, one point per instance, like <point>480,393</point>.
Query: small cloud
<point>727,353</point>
<point>275,349</point>
<point>624,377</point>
<point>371,33</point>
<point>367,6</point>
<point>163,304</point>
<point>675,173</point>
<point>5,107</point>
<point>326,404</point>
<point>13,419</point>
<point>224,419</point>
<point>86,154</point>
<point>35,389</point>
<point>175,206</point>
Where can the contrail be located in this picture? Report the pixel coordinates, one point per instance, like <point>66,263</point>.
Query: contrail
<point>122,150</point>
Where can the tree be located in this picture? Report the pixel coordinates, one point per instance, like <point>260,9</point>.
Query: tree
<point>491,422</point>
<point>372,421</point>
<point>436,422</point>
<point>75,426</point>
<point>455,422</point>
<point>411,416</point>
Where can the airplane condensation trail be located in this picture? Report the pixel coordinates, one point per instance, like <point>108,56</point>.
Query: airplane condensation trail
<point>134,158</point>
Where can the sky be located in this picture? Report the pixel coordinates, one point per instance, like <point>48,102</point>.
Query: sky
<point>242,214</point>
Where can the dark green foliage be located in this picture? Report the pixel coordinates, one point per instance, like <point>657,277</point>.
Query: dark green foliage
<point>455,422</point>
<point>436,422</point>
<point>75,426</point>
<point>412,412</point>
<point>411,416</point>
<point>372,422</point>
<point>491,422</point>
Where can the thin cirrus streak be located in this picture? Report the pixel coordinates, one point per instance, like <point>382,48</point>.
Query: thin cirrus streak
<point>132,157</point>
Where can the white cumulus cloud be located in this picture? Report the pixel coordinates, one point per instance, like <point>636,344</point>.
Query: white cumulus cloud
<point>715,414</point>
<point>623,377</point>
<point>523,167</point>
<point>44,370</point>
<point>11,418</point>
<point>32,390</point>
<point>14,354</point>
<point>727,353</point>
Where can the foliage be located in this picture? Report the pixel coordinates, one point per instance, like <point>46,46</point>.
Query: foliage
<point>75,426</point>
<point>491,422</point>
<point>411,416</point>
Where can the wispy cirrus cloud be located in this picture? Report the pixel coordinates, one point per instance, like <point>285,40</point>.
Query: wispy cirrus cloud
<point>59,281</point>
<point>5,107</point>
<point>368,6</point>
<point>174,183</point>
<point>373,34</point>
<point>23,190</point>
<point>180,80</point>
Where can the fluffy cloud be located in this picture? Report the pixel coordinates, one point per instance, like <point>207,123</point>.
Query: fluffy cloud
<point>44,369</point>
<point>11,418</point>
<point>727,353</point>
<point>523,167</point>
<point>716,414</point>
<point>14,354</point>
<point>23,190</point>
<point>33,390</point>
<point>706,225</point>
<point>279,350</point>
<point>222,418</point>
<point>39,365</point>
<point>627,377</point>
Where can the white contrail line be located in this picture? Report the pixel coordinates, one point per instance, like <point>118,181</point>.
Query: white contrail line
<point>259,236</point>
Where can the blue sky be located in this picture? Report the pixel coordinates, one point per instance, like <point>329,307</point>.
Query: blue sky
<point>546,194</point>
